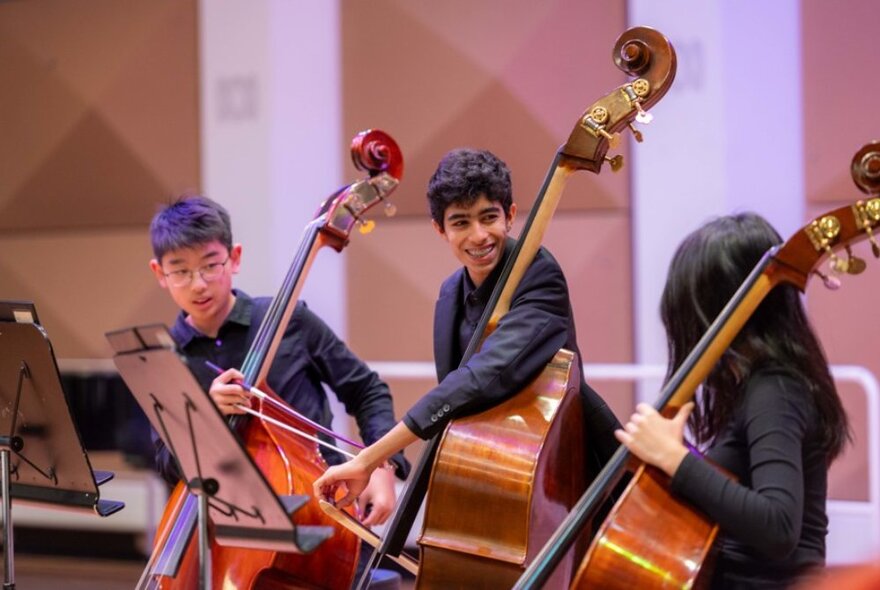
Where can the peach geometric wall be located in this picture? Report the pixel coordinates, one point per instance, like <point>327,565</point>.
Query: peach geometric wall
<point>99,119</point>
<point>511,77</point>
<point>102,117</point>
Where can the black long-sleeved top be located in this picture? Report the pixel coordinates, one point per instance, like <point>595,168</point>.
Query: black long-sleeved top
<point>538,324</point>
<point>773,521</point>
<point>309,355</point>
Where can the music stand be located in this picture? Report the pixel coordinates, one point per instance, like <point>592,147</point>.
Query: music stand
<point>245,510</point>
<point>42,460</point>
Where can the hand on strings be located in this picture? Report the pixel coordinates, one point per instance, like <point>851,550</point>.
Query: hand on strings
<point>654,439</point>
<point>352,476</point>
<point>377,500</point>
<point>228,394</point>
<point>355,474</point>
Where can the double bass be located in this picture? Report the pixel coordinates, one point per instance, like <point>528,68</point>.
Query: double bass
<point>502,479</point>
<point>289,461</point>
<point>651,539</point>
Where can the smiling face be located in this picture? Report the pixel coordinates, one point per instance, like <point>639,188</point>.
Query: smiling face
<point>476,234</point>
<point>206,303</point>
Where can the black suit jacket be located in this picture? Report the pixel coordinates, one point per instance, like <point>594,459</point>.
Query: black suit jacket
<point>539,323</point>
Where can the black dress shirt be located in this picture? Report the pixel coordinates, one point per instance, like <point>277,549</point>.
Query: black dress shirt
<point>773,521</point>
<point>309,356</point>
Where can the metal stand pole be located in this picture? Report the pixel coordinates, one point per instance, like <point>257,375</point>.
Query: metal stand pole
<point>204,548</point>
<point>8,549</point>
<point>204,489</point>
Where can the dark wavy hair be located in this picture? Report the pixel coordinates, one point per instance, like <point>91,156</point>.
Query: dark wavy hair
<point>707,269</point>
<point>189,221</point>
<point>462,176</point>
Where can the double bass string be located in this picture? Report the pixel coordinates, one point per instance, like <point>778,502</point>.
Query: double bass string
<point>267,331</point>
<point>295,431</point>
<point>262,395</point>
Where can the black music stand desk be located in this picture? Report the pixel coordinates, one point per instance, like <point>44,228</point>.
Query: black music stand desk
<point>231,490</point>
<point>42,459</point>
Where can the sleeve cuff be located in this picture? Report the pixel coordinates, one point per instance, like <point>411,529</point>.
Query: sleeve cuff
<point>416,429</point>
<point>401,465</point>
<point>684,473</point>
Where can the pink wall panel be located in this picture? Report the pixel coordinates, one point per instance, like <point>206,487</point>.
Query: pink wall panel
<point>839,113</point>
<point>443,75</point>
<point>99,119</point>
<point>847,324</point>
<point>838,120</point>
<point>393,284</point>
<point>99,111</point>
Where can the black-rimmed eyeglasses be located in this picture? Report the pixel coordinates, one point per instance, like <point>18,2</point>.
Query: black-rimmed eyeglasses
<point>209,272</point>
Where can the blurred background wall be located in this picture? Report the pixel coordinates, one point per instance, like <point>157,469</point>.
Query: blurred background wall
<point>110,107</point>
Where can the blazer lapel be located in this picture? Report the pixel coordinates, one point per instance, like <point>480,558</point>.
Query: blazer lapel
<point>444,325</point>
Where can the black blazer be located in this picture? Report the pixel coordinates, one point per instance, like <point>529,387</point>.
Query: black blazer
<point>539,323</point>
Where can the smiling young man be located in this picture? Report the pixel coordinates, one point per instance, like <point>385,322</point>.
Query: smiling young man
<point>472,210</point>
<point>195,259</point>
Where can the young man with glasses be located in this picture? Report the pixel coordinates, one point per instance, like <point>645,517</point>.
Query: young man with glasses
<point>195,259</point>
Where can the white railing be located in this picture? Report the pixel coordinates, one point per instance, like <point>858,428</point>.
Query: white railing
<point>854,526</point>
<point>854,529</point>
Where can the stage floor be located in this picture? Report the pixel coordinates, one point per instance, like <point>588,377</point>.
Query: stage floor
<point>73,573</point>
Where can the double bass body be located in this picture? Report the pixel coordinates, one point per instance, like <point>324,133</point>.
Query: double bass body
<point>494,505</point>
<point>290,464</point>
<point>674,551</point>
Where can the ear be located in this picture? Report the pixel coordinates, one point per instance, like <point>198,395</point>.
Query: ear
<point>235,258</point>
<point>160,274</point>
<point>438,228</point>
<point>511,216</point>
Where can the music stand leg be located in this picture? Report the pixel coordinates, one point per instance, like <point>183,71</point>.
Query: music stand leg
<point>8,549</point>
<point>204,547</point>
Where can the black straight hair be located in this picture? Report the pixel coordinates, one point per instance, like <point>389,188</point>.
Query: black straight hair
<point>188,222</point>
<point>706,270</point>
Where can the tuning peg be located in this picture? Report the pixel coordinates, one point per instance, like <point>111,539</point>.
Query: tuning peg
<point>838,265</point>
<point>643,116</point>
<point>823,232</point>
<point>390,209</point>
<point>636,133</point>
<point>875,248</point>
<point>594,123</point>
<point>832,283</point>
<point>616,162</point>
<point>613,138</point>
<point>634,93</point>
<point>854,264</point>
<point>365,226</point>
<point>868,214</point>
